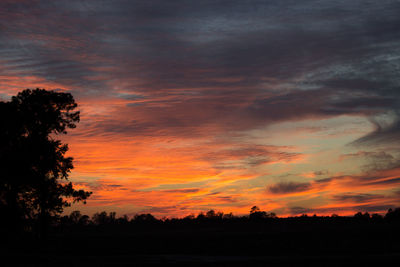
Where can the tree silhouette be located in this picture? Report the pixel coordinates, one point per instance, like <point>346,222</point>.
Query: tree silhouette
<point>362,216</point>
<point>254,209</point>
<point>75,217</point>
<point>34,169</point>
<point>393,215</point>
<point>102,218</point>
<point>257,214</point>
<point>144,218</point>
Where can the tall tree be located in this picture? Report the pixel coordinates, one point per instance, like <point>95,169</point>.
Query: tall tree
<point>34,168</point>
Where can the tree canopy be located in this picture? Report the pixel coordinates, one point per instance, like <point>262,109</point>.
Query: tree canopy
<point>33,167</point>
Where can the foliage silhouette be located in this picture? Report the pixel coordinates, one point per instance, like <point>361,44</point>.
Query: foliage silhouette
<point>34,169</point>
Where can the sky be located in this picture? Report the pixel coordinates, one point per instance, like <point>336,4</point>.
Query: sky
<point>187,106</point>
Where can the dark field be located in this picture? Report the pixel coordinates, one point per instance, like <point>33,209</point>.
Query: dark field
<point>281,242</point>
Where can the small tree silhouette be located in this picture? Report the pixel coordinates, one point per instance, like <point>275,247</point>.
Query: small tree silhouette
<point>254,209</point>
<point>257,214</point>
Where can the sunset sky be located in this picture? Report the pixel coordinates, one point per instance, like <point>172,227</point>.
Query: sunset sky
<point>186,106</point>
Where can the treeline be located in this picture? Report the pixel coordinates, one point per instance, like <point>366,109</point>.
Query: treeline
<point>76,218</point>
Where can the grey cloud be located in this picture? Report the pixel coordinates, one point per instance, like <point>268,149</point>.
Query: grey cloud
<point>378,177</point>
<point>288,187</point>
<point>226,199</point>
<point>299,210</point>
<point>320,173</point>
<point>237,156</point>
<point>163,209</point>
<point>100,185</point>
<point>182,191</point>
<point>391,181</point>
<point>358,198</point>
<point>389,134</point>
<point>377,160</point>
